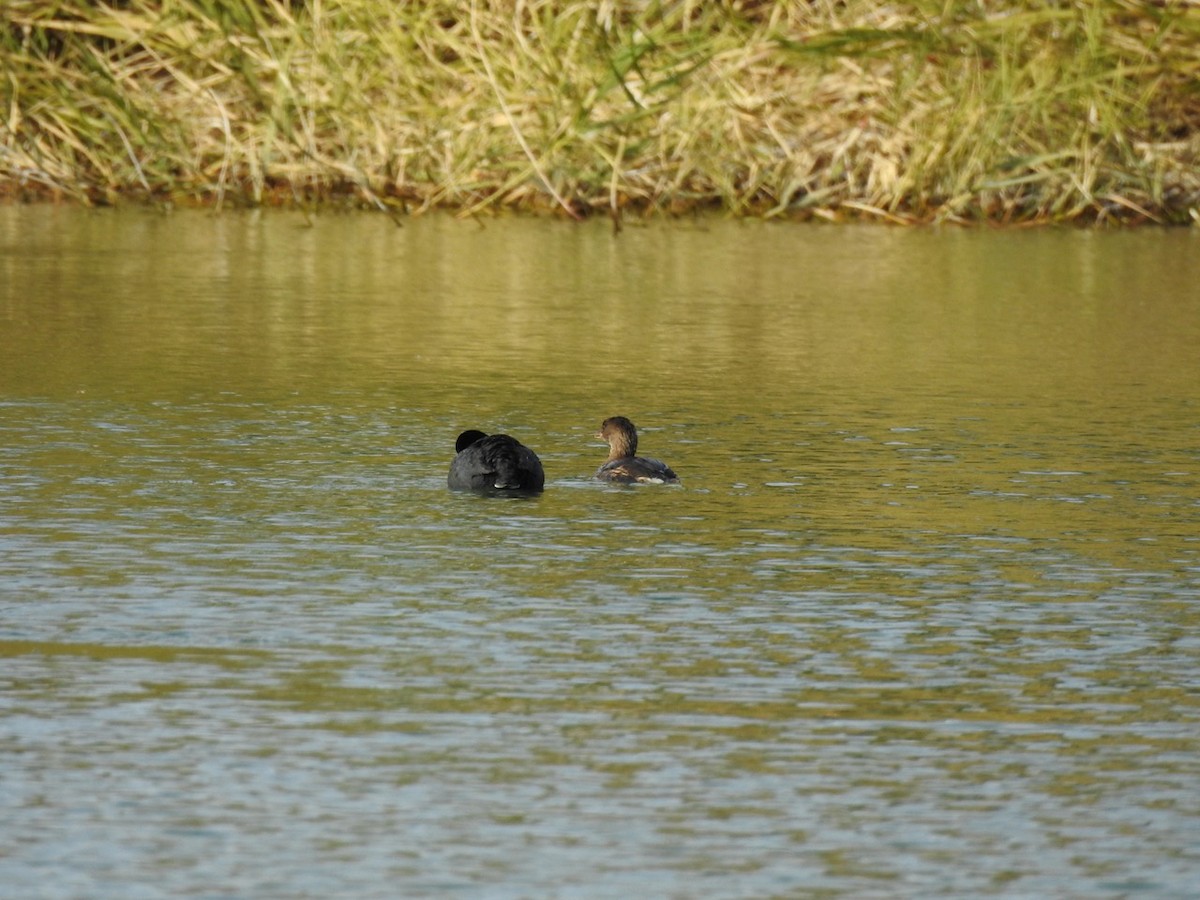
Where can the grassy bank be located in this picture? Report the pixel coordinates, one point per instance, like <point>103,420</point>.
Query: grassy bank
<point>1017,111</point>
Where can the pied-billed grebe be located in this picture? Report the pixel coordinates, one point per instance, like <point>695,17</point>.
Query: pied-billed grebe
<point>623,465</point>
<point>484,462</point>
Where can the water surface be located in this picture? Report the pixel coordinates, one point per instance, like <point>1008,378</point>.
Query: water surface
<point>921,621</point>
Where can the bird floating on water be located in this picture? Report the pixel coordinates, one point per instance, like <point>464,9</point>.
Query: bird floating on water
<point>623,465</point>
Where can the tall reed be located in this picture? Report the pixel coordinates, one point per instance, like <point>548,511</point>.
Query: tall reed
<point>1018,111</point>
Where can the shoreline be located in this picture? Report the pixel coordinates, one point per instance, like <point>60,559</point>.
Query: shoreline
<point>1034,113</point>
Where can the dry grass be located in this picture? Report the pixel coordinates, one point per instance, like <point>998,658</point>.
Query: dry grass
<point>1022,111</point>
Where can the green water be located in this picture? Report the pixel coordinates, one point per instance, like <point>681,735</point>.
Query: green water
<point>921,620</point>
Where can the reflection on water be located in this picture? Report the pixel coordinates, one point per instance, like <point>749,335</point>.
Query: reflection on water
<point>920,622</point>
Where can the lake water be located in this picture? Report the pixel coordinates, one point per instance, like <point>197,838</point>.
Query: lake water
<point>923,619</point>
